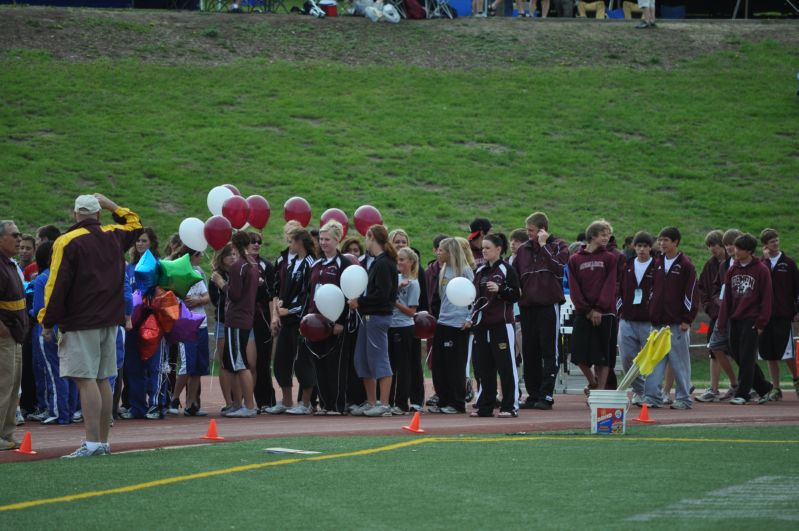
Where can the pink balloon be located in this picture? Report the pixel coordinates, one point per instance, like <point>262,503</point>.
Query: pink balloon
<point>365,217</point>
<point>335,214</point>
<point>259,211</point>
<point>236,210</point>
<point>217,231</point>
<point>232,189</point>
<point>297,209</point>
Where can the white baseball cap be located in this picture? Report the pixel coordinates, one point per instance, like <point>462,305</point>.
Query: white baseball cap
<point>87,204</point>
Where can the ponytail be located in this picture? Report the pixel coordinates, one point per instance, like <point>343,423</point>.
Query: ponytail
<point>380,235</point>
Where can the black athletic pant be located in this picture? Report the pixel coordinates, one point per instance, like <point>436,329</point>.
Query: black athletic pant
<point>417,373</point>
<point>356,393</point>
<point>540,331</point>
<point>264,390</point>
<point>400,354</point>
<point>493,353</point>
<point>286,351</point>
<point>743,349</point>
<point>450,352</point>
<point>330,368</point>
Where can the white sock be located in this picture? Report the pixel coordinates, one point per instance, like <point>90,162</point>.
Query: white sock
<point>92,446</point>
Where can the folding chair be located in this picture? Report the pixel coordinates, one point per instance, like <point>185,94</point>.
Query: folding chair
<point>440,9</point>
<point>399,5</point>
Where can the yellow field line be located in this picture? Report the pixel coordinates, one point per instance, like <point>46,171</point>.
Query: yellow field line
<point>358,453</point>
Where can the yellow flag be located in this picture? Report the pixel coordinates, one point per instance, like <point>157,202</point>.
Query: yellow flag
<point>646,352</point>
<point>661,345</point>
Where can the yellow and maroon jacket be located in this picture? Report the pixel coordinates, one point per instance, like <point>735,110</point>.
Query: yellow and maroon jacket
<point>87,273</point>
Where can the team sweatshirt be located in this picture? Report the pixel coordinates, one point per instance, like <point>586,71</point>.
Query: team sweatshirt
<point>673,293</point>
<point>629,283</point>
<point>540,271</point>
<point>592,281</point>
<point>706,287</point>
<point>240,290</point>
<point>785,281</point>
<point>747,294</point>
<point>495,308</point>
<point>381,289</point>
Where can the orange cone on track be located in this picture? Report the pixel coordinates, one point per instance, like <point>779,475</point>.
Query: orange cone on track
<point>212,435</point>
<point>644,416</point>
<point>25,447</point>
<point>414,427</point>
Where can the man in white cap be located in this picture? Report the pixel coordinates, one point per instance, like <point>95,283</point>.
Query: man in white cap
<point>84,297</point>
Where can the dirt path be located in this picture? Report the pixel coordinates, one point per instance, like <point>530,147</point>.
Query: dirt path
<point>183,37</point>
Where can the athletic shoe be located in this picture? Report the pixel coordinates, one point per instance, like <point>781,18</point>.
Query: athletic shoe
<point>397,411</point>
<point>469,391</point>
<point>650,404</point>
<point>201,413</point>
<point>84,451</point>
<point>277,409</point>
<point>638,400</point>
<point>708,396</point>
<point>77,416</point>
<point>543,405</point>
<point>529,404</point>
<point>5,444</point>
<point>739,401</point>
<point>299,409</point>
<point>433,409</point>
<point>510,414</point>
<point>37,416</point>
<point>106,448</point>
<point>242,413</point>
<point>432,401</point>
<point>52,420</point>
<point>126,415</point>
<point>764,399</point>
<point>667,401</point>
<point>448,410</point>
<point>359,411</point>
<point>20,419</point>
<point>729,394</point>
<point>642,25</point>
<point>379,410</point>
<point>775,394</point>
<point>416,408</point>
<point>154,414</point>
<point>122,409</point>
<point>653,25</point>
<point>679,404</point>
<point>174,408</point>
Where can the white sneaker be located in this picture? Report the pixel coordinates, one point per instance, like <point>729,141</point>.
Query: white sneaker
<point>378,410</point>
<point>277,409</point>
<point>243,413</point>
<point>299,409</point>
<point>708,396</point>
<point>638,400</point>
<point>20,419</point>
<point>84,451</point>
<point>358,411</point>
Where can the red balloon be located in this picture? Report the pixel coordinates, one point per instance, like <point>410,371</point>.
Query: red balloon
<point>232,189</point>
<point>335,214</point>
<point>217,231</point>
<point>297,209</point>
<point>236,210</point>
<point>314,327</point>
<point>352,258</point>
<point>149,338</point>
<point>424,325</point>
<point>259,211</point>
<point>365,217</point>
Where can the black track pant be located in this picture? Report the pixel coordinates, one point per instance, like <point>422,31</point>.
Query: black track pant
<point>264,390</point>
<point>493,353</point>
<point>404,361</point>
<point>286,352</point>
<point>743,349</point>
<point>450,352</point>
<point>540,331</point>
<point>330,366</point>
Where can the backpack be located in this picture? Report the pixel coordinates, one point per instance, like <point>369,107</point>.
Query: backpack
<point>414,10</point>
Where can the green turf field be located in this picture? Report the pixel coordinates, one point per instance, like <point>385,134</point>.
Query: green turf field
<point>653,478</point>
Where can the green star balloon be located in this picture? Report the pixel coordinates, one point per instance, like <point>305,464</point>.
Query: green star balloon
<point>177,275</point>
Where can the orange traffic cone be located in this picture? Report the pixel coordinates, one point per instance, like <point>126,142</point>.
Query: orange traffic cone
<point>414,427</point>
<point>25,447</point>
<point>644,416</point>
<point>212,435</point>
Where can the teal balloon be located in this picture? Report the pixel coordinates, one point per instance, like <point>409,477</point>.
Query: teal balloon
<point>177,275</point>
<point>146,273</point>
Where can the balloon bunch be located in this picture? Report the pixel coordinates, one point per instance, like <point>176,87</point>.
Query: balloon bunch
<point>157,311</point>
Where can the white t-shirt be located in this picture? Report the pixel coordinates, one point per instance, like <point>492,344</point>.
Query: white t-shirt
<point>774,260</point>
<point>198,290</point>
<point>640,269</point>
<point>668,261</point>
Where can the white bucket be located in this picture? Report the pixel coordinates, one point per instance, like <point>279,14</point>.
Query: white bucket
<point>609,411</point>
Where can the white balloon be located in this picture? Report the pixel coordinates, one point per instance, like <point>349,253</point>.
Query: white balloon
<point>461,292</point>
<point>216,197</point>
<point>353,281</point>
<point>192,234</point>
<point>329,301</point>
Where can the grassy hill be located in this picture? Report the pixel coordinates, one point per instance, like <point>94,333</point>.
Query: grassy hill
<point>433,122</point>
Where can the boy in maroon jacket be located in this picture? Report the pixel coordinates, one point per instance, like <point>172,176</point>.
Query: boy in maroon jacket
<point>746,307</point>
<point>673,306</point>
<point>635,292</point>
<point>592,286</point>
<point>539,265</point>
<point>777,338</point>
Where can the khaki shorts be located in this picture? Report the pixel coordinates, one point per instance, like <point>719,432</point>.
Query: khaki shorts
<point>88,353</point>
